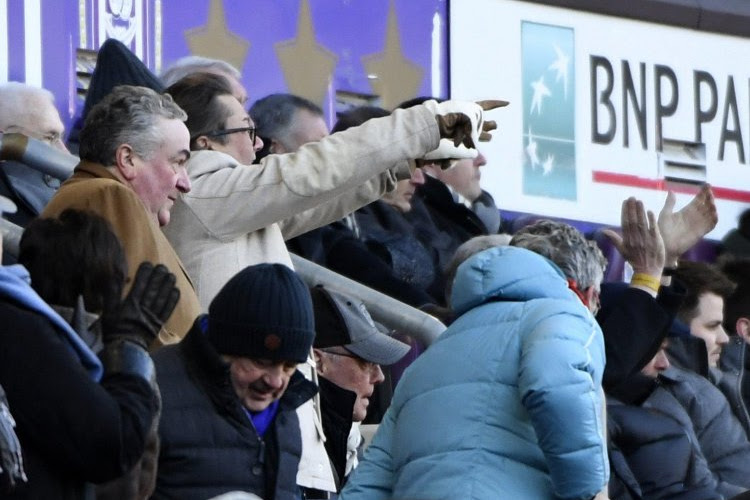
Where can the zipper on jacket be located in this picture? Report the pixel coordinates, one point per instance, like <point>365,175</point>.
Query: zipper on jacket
<point>261,460</point>
<point>743,403</point>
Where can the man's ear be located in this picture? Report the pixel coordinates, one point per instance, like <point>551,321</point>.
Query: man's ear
<point>126,161</point>
<point>276,147</point>
<point>317,356</point>
<point>742,327</point>
<point>591,298</point>
<point>202,142</point>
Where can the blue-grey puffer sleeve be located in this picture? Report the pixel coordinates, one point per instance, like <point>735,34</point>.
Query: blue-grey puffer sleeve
<point>560,372</point>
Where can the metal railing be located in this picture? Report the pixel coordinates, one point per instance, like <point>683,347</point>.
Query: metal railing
<point>38,155</point>
<point>390,312</point>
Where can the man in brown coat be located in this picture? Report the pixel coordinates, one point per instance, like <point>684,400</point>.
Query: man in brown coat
<point>134,146</point>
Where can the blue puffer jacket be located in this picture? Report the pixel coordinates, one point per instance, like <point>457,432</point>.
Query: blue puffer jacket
<point>507,403</point>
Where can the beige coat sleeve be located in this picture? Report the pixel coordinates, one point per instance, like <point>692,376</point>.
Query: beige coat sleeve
<point>231,200</point>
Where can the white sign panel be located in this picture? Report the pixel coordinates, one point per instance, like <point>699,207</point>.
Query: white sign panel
<point>603,108</point>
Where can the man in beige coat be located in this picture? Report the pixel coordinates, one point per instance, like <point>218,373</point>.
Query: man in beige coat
<point>238,214</point>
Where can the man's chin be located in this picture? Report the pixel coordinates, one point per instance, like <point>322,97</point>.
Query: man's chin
<point>163,217</point>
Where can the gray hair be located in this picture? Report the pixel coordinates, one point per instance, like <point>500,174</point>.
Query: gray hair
<point>274,115</point>
<point>468,249</point>
<point>15,99</point>
<point>196,64</point>
<point>128,115</point>
<point>579,259</point>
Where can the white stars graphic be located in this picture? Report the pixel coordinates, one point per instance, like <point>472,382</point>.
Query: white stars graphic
<point>561,67</point>
<point>548,164</point>
<point>540,91</point>
<point>531,151</point>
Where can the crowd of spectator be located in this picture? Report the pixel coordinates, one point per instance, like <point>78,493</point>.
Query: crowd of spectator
<point>159,344</point>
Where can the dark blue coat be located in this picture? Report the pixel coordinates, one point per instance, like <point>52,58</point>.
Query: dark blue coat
<point>208,444</point>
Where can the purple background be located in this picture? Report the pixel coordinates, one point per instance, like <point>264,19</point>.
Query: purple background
<point>349,28</point>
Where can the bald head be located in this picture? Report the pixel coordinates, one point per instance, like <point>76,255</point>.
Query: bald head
<point>31,111</point>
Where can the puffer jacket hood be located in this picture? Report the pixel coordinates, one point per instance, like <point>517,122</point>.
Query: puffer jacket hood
<point>524,275</point>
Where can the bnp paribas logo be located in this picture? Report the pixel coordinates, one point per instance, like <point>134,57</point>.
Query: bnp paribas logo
<point>549,110</point>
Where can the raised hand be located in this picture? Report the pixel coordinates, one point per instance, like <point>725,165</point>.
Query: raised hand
<point>641,243</point>
<point>681,230</point>
<point>149,304</point>
<point>462,127</point>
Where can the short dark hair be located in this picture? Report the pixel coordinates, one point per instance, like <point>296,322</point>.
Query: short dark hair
<point>198,95</point>
<point>75,254</point>
<point>273,116</point>
<point>358,116</point>
<point>699,278</point>
<point>737,305</point>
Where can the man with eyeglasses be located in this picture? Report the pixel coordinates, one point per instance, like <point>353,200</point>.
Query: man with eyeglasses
<point>30,111</point>
<point>239,214</point>
<point>349,351</point>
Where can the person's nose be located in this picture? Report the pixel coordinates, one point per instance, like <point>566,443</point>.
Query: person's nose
<point>417,177</point>
<point>662,361</point>
<point>274,376</point>
<point>480,160</point>
<point>377,374</point>
<point>183,180</point>
<point>722,339</point>
<point>258,144</point>
<point>60,144</point>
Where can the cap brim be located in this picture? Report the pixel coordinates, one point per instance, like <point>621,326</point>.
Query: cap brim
<point>379,348</point>
<point>7,206</point>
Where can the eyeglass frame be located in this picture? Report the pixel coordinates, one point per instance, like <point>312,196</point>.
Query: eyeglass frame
<point>367,365</point>
<point>252,132</point>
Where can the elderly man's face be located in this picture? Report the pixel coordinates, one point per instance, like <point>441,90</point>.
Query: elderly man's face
<point>353,373</point>
<point>306,127</point>
<point>464,177</point>
<point>159,180</point>
<point>259,382</point>
<point>707,325</point>
<point>42,122</point>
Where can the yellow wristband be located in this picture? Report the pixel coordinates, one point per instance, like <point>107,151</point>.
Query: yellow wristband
<point>646,280</point>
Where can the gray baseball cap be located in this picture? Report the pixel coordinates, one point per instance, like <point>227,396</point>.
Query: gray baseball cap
<point>7,206</point>
<point>343,321</point>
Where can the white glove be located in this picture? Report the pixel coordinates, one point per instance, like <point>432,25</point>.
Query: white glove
<point>461,121</point>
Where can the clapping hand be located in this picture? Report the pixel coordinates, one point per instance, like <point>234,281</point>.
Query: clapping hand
<point>681,230</point>
<point>641,243</point>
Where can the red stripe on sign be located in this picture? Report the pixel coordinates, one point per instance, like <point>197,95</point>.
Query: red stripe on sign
<point>664,185</point>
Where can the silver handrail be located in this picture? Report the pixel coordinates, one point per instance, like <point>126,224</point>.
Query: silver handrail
<point>37,154</point>
<point>392,313</point>
<point>384,309</point>
<point>11,237</point>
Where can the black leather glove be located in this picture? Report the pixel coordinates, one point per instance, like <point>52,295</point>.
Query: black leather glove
<point>149,304</point>
<point>11,459</point>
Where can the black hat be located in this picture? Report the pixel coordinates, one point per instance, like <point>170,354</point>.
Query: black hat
<point>116,65</point>
<point>342,321</point>
<point>263,312</point>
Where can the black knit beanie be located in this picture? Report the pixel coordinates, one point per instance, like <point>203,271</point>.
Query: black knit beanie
<point>263,312</point>
<point>116,65</point>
